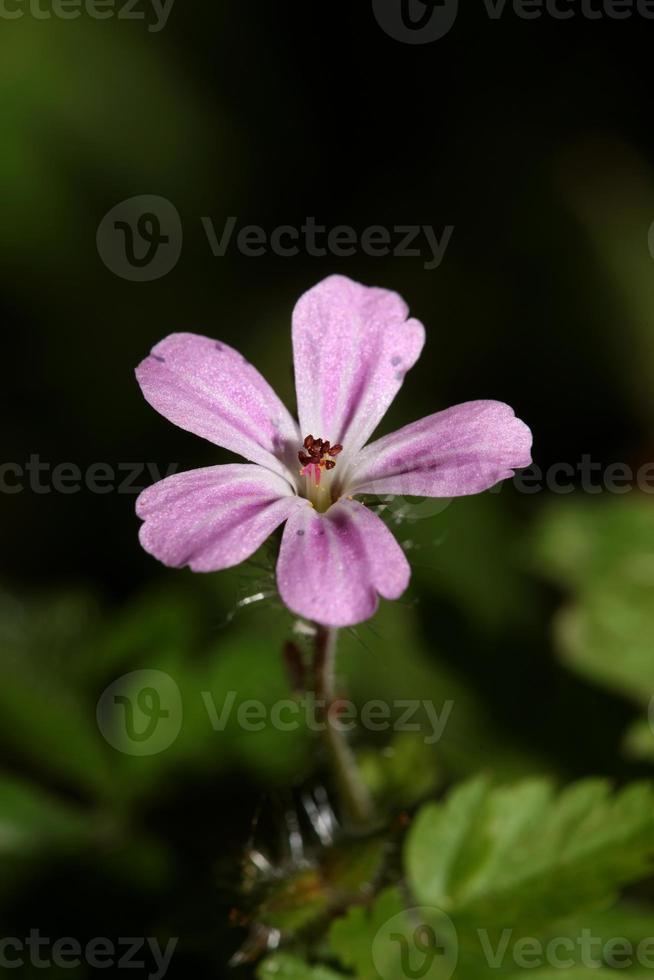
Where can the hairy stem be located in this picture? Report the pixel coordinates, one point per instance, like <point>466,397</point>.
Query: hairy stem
<point>356,798</point>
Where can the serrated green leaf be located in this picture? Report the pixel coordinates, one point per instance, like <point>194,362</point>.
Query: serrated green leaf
<point>524,856</point>
<point>366,941</point>
<point>393,941</point>
<point>351,938</point>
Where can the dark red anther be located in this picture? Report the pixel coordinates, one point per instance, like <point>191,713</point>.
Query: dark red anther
<point>316,451</point>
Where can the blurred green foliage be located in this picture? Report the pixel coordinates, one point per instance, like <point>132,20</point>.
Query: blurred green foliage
<point>494,853</point>
<point>532,615</point>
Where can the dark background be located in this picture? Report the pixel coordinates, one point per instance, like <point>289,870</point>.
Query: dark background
<point>534,140</point>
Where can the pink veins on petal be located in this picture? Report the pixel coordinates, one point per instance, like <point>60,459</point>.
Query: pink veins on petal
<point>352,347</point>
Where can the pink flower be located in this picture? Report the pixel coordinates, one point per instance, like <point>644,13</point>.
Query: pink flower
<point>352,347</point>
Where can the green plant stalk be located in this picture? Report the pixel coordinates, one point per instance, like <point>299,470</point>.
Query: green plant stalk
<point>353,791</point>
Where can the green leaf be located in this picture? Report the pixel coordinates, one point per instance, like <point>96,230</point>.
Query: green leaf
<point>345,874</point>
<point>578,541</point>
<point>639,740</point>
<point>43,717</point>
<point>606,635</point>
<point>43,721</point>
<point>351,938</point>
<point>283,966</point>
<point>392,941</point>
<point>602,551</point>
<point>524,855</point>
<point>366,941</point>
<point>404,774</point>
<point>625,920</point>
<point>31,819</point>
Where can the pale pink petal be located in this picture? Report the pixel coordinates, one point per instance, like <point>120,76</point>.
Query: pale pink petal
<point>209,389</point>
<point>463,450</point>
<point>333,566</point>
<point>215,517</point>
<point>352,346</point>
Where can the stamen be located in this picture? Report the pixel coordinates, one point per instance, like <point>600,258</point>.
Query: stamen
<point>314,460</point>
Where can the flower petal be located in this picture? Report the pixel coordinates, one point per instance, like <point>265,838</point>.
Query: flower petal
<point>214,517</point>
<point>463,450</point>
<point>210,389</point>
<point>352,346</point>
<point>333,566</point>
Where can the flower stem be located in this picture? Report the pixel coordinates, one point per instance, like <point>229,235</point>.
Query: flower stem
<point>354,793</point>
